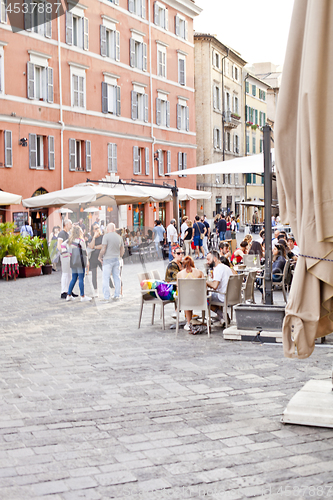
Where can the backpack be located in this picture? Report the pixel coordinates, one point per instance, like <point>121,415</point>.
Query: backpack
<point>78,257</point>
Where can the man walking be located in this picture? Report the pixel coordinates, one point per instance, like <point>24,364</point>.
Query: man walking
<point>66,274</point>
<point>111,252</point>
<point>171,236</point>
<point>199,233</point>
<point>207,234</point>
<point>158,236</point>
<point>222,228</point>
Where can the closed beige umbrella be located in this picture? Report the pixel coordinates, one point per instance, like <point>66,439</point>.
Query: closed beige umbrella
<point>304,162</point>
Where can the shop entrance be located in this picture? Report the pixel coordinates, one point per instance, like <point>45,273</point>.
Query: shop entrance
<point>39,222</point>
<point>138,216</point>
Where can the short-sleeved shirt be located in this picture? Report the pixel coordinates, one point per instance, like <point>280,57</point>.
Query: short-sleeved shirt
<point>171,233</point>
<point>158,233</point>
<point>63,235</point>
<point>183,229</point>
<point>199,228</point>
<point>221,273</point>
<point>222,226</point>
<point>113,243</point>
<point>171,271</point>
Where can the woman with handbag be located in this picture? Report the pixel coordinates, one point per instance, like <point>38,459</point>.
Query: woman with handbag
<point>78,262</point>
<point>188,238</point>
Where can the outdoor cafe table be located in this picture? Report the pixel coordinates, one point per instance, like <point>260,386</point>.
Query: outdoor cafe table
<point>10,267</point>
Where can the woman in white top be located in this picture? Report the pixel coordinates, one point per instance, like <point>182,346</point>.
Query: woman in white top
<point>76,241</point>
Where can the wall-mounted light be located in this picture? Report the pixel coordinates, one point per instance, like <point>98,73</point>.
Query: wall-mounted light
<point>23,142</point>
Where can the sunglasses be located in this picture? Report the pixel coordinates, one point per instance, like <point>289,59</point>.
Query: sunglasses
<point>179,253</point>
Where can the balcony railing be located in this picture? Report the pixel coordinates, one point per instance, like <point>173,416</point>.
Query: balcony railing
<point>231,120</point>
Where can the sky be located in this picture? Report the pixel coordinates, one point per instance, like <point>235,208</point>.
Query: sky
<point>257,29</point>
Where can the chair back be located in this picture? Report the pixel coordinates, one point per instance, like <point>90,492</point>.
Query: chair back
<point>145,276</point>
<point>155,274</point>
<point>234,289</point>
<point>251,260</point>
<point>249,286</point>
<point>287,275</point>
<point>192,294</point>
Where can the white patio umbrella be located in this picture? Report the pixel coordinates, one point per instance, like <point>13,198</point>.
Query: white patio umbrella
<point>9,198</point>
<point>91,209</point>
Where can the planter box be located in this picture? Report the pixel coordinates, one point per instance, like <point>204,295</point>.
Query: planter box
<point>29,272</point>
<point>259,317</point>
<point>47,269</point>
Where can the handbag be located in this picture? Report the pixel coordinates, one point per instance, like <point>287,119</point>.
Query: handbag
<point>192,245</point>
<point>78,259</point>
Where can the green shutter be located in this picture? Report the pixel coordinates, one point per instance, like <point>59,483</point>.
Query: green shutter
<point>247,87</point>
<point>248,178</point>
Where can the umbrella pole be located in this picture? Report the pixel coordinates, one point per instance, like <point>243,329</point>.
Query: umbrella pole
<point>268,214</point>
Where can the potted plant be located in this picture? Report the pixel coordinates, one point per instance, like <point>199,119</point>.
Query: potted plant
<point>31,263</point>
<point>45,254</point>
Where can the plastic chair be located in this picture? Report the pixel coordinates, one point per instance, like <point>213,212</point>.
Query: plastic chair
<point>192,294</point>
<point>155,274</point>
<point>248,288</point>
<point>152,298</point>
<point>286,280</point>
<point>232,296</point>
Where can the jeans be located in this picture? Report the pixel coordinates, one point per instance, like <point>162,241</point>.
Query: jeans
<point>170,253</point>
<point>77,273</point>
<point>111,266</point>
<point>222,235</point>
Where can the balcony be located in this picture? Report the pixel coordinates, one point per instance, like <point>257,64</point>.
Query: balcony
<point>231,120</point>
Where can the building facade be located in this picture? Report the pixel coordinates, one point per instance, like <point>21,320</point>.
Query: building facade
<point>105,88</point>
<point>220,120</point>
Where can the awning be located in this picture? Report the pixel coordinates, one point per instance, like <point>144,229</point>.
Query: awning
<point>9,198</point>
<point>252,203</point>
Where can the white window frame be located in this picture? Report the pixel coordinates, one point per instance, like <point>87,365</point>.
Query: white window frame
<point>217,101</point>
<point>161,60</point>
<point>162,110</point>
<point>2,68</point>
<point>80,73</point>
<point>161,15</point>
<point>236,104</point>
<point>38,66</point>
<point>3,11</point>
<point>216,57</point>
<point>139,103</point>
<point>181,27</point>
<point>8,149</point>
<point>109,39</point>
<point>138,51</point>
<point>183,115</point>
<point>137,7</point>
<point>182,162</point>
<point>235,72</point>
<point>111,94</point>
<point>112,157</point>
<point>75,21</point>
<point>181,70</point>
<point>217,138</point>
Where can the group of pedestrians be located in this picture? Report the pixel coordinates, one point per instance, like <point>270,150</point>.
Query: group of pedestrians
<point>104,252</point>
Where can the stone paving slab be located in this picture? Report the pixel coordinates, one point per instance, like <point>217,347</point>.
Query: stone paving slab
<point>93,408</point>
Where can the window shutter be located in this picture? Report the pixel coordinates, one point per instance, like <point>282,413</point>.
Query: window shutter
<point>105,107</point>
<point>143,9</point>
<point>103,40</point>
<point>49,84</point>
<point>155,13</point>
<point>168,162</point>
<point>69,28</point>
<point>32,150</point>
<point>134,99</point>
<point>187,110</point>
<point>177,29</point>
<point>179,116</point>
<point>132,52</point>
<point>214,97</point>
<point>264,118</point>
<point>144,53</point>
<point>184,162</point>
<point>51,152</point>
<point>117,46</point>
<point>234,144</point>
<point>160,162</point>
<point>147,161</point>
<point>8,149</point>
<point>109,157</point>
<point>131,6</point>
<point>158,111</point>
<point>136,162</point>
<point>72,154</point>
<point>30,80</point>
<point>180,163</point>
<point>146,107</point>
<point>186,30</point>
<point>118,107</point>
<point>256,117</point>
<point>88,156</point>
<point>215,137</point>
<point>48,19</point>
<point>75,90</point>
<point>168,114</point>
<point>220,140</point>
<point>27,15</point>
<point>114,158</point>
<point>182,71</point>
<point>166,19</point>
<point>85,33</point>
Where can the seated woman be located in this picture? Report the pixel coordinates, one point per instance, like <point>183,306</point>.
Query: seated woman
<point>238,254</point>
<point>279,261</point>
<point>189,272</point>
<point>256,249</point>
<point>175,265</point>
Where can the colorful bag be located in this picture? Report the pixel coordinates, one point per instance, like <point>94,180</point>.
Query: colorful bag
<point>165,291</point>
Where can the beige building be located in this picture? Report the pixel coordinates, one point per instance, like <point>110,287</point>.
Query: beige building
<point>255,118</point>
<point>220,114</point>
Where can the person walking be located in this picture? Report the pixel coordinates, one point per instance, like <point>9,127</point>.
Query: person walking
<point>65,258</point>
<point>158,232</point>
<point>222,228</point>
<point>207,234</point>
<point>26,230</point>
<point>78,262</point>
<point>95,245</point>
<point>188,238</point>
<point>171,237</point>
<point>110,254</point>
<point>199,233</point>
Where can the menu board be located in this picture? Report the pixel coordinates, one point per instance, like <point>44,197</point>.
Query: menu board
<point>20,219</point>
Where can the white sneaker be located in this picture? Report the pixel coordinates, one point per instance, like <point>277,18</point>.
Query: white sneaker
<point>187,327</point>
<point>115,298</point>
<point>96,294</point>
<point>86,299</point>
<point>69,297</point>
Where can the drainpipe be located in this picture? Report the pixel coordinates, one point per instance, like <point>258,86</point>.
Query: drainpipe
<point>151,94</point>
<point>223,106</point>
<point>61,111</point>
<point>246,77</point>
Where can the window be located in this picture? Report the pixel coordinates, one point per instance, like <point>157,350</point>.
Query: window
<point>227,102</point>
<point>254,90</point>
<point>182,163</point>
<point>3,11</point>
<point>160,15</point>
<point>112,157</point>
<point>262,95</point>
<point>138,53</point>
<point>6,149</point>
<point>247,87</point>
<point>77,28</point>
<point>161,61</point>
<point>140,160</point>
<point>183,116</point>
<point>247,143</point>
<point>261,145</point>
<point>235,72</point>
<point>236,179</point>
<point>110,96</point>
<point>79,155</point>
<point>78,91</point>
<point>217,137</point>
<point>181,69</point>
<point>163,162</point>
<point>253,145</point>
<point>228,141</point>
<point>262,119</point>
<point>139,101</point>
<point>162,111</point>
<point>137,7</point>
<point>181,27</point>
<point>236,144</point>
<point>39,80</point>
<point>2,70</point>
<point>110,43</point>
<point>217,98</point>
<point>236,105</point>
<point>41,152</point>
<point>38,18</point>
<point>216,59</point>
<point>229,177</point>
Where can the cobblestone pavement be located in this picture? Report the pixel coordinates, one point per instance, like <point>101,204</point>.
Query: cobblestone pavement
<point>93,408</point>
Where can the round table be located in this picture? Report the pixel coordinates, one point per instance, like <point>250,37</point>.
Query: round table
<point>10,267</point>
